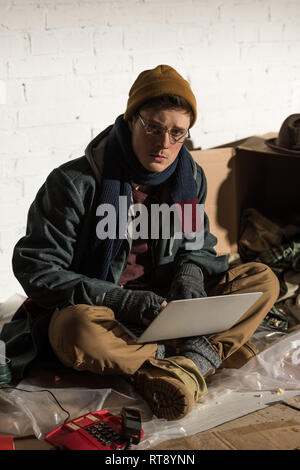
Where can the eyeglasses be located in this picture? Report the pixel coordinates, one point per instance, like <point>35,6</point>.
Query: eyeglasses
<point>175,135</point>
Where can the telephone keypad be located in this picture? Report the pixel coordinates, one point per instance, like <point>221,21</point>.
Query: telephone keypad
<point>103,433</point>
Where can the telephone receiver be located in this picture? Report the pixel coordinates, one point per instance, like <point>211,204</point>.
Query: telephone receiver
<point>99,430</point>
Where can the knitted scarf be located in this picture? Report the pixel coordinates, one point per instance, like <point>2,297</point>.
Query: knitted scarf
<point>121,166</point>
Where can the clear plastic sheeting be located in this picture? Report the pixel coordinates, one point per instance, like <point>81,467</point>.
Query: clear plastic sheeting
<point>276,367</point>
<point>38,413</point>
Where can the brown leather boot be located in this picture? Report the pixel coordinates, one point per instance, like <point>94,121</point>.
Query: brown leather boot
<point>170,386</point>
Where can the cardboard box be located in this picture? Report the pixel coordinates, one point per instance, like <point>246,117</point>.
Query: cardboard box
<point>221,207</point>
<point>247,174</point>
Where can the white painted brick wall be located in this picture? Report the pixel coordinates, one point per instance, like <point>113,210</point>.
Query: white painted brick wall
<point>66,67</point>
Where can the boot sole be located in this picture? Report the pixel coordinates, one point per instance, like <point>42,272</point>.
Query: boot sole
<point>167,397</point>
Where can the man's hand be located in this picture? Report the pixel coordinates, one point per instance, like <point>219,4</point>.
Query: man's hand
<point>146,320</point>
<point>188,283</point>
<point>135,306</point>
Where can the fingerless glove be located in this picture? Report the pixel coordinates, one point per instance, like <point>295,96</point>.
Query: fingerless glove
<point>188,283</point>
<point>133,305</point>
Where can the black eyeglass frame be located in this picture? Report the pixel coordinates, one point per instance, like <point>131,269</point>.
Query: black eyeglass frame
<point>172,139</point>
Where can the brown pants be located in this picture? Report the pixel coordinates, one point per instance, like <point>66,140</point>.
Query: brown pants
<point>87,337</point>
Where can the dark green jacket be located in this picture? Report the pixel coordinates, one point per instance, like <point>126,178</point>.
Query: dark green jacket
<point>48,260</point>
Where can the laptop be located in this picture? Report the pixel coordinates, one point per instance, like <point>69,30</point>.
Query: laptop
<point>194,317</point>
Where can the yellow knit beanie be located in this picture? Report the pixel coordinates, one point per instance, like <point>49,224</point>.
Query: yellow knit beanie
<point>161,80</point>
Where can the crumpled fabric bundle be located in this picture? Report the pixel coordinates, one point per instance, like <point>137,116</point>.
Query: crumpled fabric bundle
<point>263,240</point>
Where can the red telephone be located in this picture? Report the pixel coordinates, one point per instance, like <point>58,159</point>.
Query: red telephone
<point>99,430</point>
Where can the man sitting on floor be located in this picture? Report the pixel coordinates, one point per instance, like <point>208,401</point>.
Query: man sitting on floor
<point>81,284</point>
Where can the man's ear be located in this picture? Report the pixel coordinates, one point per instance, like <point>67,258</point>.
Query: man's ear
<point>130,123</point>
